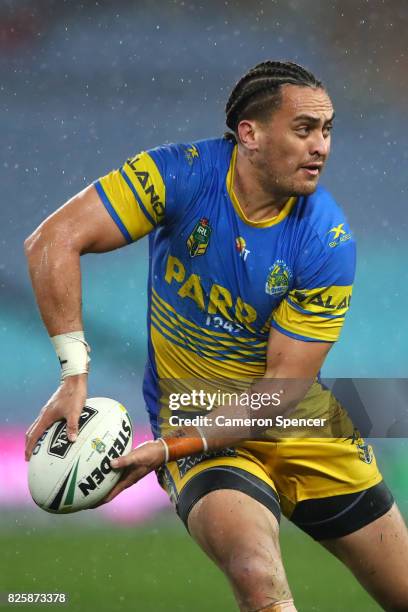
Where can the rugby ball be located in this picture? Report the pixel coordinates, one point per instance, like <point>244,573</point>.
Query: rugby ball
<point>66,476</point>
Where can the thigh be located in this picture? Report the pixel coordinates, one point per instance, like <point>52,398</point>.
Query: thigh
<point>237,532</point>
<point>231,509</point>
<point>377,554</point>
<point>241,536</point>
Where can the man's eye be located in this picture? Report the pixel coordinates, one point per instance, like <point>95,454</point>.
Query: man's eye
<point>303,130</point>
<point>327,129</point>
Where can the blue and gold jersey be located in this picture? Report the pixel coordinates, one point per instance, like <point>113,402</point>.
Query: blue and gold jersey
<point>217,280</point>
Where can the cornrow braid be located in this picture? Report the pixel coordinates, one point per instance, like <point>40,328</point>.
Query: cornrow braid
<point>259,90</point>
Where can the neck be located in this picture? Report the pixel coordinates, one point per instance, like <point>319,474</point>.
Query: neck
<point>257,202</point>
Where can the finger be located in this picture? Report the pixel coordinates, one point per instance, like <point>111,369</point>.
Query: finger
<point>34,433</point>
<point>29,430</point>
<point>27,451</point>
<point>32,437</point>
<point>125,460</point>
<point>72,424</point>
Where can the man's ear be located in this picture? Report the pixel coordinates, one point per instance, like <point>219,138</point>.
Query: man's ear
<point>248,134</point>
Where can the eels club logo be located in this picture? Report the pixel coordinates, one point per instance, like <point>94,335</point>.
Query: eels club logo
<point>279,277</point>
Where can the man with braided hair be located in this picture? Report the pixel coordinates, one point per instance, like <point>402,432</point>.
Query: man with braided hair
<point>251,270</point>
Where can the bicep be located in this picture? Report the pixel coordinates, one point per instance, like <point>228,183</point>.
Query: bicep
<point>84,225</point>
<point>288,357</point>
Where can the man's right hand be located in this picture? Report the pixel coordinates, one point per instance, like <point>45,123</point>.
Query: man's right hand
<point>66,403</point>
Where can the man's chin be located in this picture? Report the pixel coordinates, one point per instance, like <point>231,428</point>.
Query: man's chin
<point>305,188</point>
<point>297,188</point>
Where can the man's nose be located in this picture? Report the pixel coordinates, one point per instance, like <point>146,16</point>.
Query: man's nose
<point>320,145</point>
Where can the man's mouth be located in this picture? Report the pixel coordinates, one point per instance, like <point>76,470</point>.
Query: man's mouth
<point>312,169</point>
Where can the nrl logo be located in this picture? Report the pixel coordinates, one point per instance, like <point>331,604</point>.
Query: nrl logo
<point>279,277</point>
<point>199,238</point>
<point>98,445</point>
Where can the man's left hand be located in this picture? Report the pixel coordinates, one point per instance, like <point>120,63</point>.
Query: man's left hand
<point>138,463</point>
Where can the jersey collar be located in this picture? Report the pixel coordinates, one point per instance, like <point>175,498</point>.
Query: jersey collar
<point>265,222</point>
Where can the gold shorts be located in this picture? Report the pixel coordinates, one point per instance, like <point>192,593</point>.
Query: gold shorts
<point>334,482</point>
<point>329,486</point>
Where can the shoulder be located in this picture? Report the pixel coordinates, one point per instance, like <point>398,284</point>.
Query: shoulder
<point>324,220</point>
<point>190,157</point>
<point>326,252</point>
<point>186,170</point>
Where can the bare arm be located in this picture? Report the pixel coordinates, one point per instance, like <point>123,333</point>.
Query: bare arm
<point>53,252</point>
<point>290,358</point>
<point>291,367</point>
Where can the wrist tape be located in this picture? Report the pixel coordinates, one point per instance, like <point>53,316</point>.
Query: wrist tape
<point>178,447</point>
<point>72,351</point>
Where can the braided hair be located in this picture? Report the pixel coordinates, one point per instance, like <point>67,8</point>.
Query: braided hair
<point>259,91</point>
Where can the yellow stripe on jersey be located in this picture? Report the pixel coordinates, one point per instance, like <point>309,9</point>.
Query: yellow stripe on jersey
<point>331,301</point>
<point>148,185</point>
<point>173,361</point>
<point>216,354</point>
<point>305,325</point>
<point>137,195</point>
<point>191,331</point>
<point>123,202</point>
<point>213,334</point>
<point>191,341</point>
<point>188,336</point>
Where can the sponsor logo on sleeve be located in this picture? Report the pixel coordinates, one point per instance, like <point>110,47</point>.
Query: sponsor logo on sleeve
<point>338,235</point>
<point>145,180</point>
<point>191,153</point>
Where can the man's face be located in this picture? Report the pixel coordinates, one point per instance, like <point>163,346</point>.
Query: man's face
<point>294,144</point>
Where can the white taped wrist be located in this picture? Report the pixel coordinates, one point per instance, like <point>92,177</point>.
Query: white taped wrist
<point>72,351</point>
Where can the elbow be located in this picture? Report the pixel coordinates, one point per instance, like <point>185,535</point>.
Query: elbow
<point>42,238</point>
<point>29,244</point>
<point>35,243</point>
<point>50,241</point>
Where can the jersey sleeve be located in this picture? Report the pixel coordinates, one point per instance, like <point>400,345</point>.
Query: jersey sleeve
<point>315,308</point>
<point>150,188</point>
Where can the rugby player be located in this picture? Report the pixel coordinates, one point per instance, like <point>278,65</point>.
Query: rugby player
<point>251,270</point>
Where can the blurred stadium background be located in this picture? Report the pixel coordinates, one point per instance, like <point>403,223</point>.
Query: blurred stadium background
<point>84,85</point>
